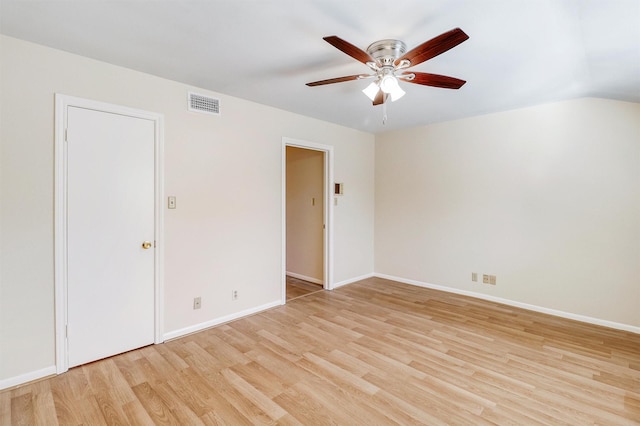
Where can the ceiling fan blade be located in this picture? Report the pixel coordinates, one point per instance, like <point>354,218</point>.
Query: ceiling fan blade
<point>380,98</point>
<point>348,48</point>
<point>334,80</point>
<point>435,80</point>
<point>434,47</point>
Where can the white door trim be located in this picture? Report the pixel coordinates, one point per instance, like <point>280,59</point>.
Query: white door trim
<point>62,102</point>
<point>328,209</point>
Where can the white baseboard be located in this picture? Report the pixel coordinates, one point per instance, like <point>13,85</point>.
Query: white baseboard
<point>535,308</point>
<point>28,377</point>
<point>217,321</point>
<point>51,371</point>
<point>352,280</point>
<point>305,278</point>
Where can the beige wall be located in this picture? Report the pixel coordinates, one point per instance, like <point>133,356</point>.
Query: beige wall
<point>305,213</point>
<point>545,198</point>
<point>225,172</point>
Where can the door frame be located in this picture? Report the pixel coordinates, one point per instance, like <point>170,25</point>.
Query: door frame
<point>327,214</point>
<point>62,103</point>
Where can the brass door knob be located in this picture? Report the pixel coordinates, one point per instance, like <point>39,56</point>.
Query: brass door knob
<point>146,245</point>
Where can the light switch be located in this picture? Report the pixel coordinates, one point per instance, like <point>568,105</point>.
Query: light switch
<point>172,202</point>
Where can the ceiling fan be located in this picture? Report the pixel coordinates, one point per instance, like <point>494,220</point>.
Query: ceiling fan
<point>389,60</point>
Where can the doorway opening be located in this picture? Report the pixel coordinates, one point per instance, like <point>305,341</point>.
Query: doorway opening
<point>306,218</point>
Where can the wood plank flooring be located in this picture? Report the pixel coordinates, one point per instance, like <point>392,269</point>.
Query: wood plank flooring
<point>298,288</point>
<point>371,353</point>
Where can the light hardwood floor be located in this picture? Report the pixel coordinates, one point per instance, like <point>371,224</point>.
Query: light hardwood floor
<point>298,288</point>
<point>371,353</point>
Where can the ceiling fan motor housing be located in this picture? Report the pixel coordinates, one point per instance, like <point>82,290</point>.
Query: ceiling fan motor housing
<point>385,52</point>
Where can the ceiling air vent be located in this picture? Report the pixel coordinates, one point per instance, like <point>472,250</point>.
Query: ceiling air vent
<point>205,104</point>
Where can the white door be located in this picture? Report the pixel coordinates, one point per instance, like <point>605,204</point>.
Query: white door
<point>110,214</point>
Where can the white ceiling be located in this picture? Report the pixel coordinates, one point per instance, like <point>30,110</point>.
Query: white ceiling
<point>520,52</point>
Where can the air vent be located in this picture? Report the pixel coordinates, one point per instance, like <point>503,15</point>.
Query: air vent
<point>205,104</point>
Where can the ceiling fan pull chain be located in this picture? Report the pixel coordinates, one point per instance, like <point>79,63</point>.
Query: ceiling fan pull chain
<point>384,113</point>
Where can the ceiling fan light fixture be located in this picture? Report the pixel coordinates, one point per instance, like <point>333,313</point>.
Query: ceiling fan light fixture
<point>397,93</point>
<point>371,90</point>
<point>389,83</point>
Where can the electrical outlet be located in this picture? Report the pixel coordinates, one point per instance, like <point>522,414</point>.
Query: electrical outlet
<point>492,279</point>
<point>474,276</point>
<point>197,302</point>
<point>485,279</point>
<point>234,295</point>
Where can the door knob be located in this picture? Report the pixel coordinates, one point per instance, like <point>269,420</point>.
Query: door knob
<point>146,245</point>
